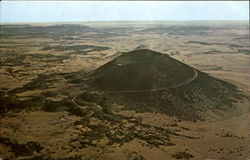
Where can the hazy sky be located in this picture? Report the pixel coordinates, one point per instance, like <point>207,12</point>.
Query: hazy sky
<point>55,11</point>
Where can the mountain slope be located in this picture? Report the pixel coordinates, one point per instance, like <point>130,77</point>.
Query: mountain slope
<point>149,81</point>
<point>141,70</point>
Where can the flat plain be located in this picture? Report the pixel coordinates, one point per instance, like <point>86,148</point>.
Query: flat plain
<point>42,68</point>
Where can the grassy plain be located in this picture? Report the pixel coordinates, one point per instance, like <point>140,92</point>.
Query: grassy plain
<point>38,62</point>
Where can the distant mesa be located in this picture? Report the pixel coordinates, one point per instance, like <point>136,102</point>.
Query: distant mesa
<point>149,81</point>
<point>49,30</point>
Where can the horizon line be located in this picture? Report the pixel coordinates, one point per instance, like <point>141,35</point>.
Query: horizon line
<point>225,20</point>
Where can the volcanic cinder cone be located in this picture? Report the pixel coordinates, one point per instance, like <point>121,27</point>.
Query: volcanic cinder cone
<point>146,80</point>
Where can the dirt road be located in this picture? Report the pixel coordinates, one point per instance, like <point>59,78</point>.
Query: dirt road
<point>82,107</point>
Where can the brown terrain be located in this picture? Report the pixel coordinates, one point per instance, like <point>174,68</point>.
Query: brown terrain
<point>42,118</point>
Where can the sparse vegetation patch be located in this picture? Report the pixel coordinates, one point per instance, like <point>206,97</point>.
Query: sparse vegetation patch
<point>182,155</point>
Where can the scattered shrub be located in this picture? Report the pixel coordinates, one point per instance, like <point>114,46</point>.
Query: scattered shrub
<point>182,155</point>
